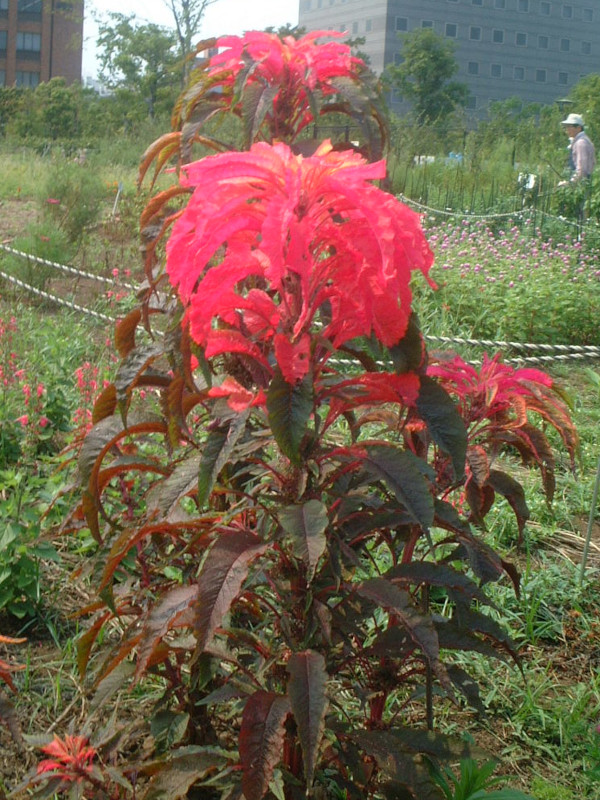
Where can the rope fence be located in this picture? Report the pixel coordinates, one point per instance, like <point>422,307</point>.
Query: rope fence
<point>66,269</point>
<point>54,299</point>
<point>551,352</point>
<point>484,217</point>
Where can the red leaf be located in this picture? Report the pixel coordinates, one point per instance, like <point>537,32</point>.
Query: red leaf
<point>307,692</point>
<point>261,741</point>
<point>161,618</point>
<point>220,580</point>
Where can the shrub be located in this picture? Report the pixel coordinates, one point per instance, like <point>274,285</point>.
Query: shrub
<point>274,484</point>
<point>72,198</point>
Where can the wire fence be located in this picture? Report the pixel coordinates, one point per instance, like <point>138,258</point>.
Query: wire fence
<point>535,353</point>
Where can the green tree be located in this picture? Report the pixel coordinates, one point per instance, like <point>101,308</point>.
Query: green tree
<point>137,59</point>
<point>424,76</point>
<point>187,17</point>
<point>586,101</point>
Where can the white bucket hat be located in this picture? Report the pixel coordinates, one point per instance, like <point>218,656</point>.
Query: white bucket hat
<point>573,119</point>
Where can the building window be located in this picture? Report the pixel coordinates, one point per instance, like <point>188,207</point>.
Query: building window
<point>4,8</point>
<point>2,77</point>
<point>306,5</point>
<point>521,39</point>
<point>497,36</point>
<point>3,41</point>
<point>27,79</point>
<point>471,102</point>
<point>33,7</point>
<point>451,30</point>
<point>540,75</point>
<point>29,43</point>
<point>496,70</point>
<point>565,45</point>
<point>473,68</point>
<point>368,25</point>
<point>563,78</point>
<point>499,3</point>
<point>355,27</point>
<point>587,14</point>
<point>567,12</point>
<point>401,24</point>
<point>586,48</point>
<point>427,23</point>
<point>475,33</point>
<point>519,73</point>
<point>477,2</point>
<point>543,42</point>
<point>545,8</point>
<point>523,5</point>
<point>397,59</point>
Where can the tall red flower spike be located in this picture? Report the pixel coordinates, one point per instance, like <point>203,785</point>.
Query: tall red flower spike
<point>281,242</point>
<point>284,71</point>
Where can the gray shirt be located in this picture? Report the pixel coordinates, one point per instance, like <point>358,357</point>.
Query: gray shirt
<point>583,155</point>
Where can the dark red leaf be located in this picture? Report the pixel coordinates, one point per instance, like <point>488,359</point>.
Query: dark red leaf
<point>307,690</point>
<point>220,580</point>
<point>261,741</point>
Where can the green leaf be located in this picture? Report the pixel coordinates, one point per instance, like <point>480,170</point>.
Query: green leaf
<point>308,698</point>
<point>218,447</point>
<point>168,728</point>
<point>307,523</point>
<point>261,741</point>
<point>444,423</point>
<point>289,408</point>
<point>402,473</point>
<point>219,582</point>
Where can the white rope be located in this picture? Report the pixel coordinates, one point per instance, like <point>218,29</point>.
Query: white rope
<point>466,215</point>
<point>67,269</point>
<point>58,300</point>
<point>583,349</point>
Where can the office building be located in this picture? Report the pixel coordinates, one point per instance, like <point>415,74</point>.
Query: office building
<point>534,49</point>
<point>39,40</point>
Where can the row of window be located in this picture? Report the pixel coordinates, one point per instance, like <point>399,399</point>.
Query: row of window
<point>26,42</point>
<point>518,73</point>
<point>521,39</point>
<point>22,78</point>
<point>545,7</point>
<point>29,7</point>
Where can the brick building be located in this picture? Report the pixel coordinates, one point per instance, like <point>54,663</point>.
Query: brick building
<point>39,40</point>
<point>534,49</point>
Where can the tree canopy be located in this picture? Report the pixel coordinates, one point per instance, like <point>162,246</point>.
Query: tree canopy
<point>424,76</point>
<point>139,59</point>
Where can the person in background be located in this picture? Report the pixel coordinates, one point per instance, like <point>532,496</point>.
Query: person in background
<point>582,153</point>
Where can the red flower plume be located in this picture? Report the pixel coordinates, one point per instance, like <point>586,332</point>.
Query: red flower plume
<point>281,242</point>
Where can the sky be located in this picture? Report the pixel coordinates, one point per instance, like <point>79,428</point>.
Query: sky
<point>222,17</point>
